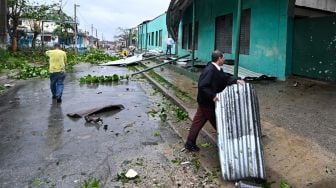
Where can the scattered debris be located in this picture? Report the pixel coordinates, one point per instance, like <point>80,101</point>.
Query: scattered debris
<point>93,119</point>
<point>105,127</point>
<point>126,61</point>
<point>8,85</point>
<point>262,77</point>
<point>149,143</point>
<point>186,162</point>
<point>243,184</point>
<point>117,107</point>
<point>295,84</point>
<point>129,125</point>
<point>131,174</point>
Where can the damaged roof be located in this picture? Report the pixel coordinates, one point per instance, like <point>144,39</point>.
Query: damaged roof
<point>175,13</point>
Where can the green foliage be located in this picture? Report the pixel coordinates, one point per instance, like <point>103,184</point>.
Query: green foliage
<point>212,175</point>
<point>97,57</point>
<point>196,163</point>
<point>2,88</point>
<point>31,72</point>
<point>267,184</point>
<point>122,177</point>
<point>163,115</point>
<point>93,57</point>
<point>156,134</point>
<point>284,184</point>
<point>91,183</point>
<point>29,63</point>
<point>176,161</point>
<point>101,79</point>
<point>180,94</point>
<point>181,115</point>
<point>206,145</point>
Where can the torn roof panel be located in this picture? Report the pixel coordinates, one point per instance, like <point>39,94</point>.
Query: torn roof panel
<point>175,13</point>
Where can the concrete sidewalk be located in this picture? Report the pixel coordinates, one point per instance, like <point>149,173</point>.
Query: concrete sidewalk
<point>296,149</point>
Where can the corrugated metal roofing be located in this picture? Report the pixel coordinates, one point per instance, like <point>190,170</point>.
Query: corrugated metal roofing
<point>239,133</point>
<point>242,72</point>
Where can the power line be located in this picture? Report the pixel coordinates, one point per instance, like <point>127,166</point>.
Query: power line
<point>82,18</point>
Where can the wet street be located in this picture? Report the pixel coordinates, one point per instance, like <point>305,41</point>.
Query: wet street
<point>42,147</point>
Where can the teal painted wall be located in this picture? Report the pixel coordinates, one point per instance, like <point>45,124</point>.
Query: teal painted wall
<point>315,51</point>
<point>270,43</point>
<point>155,25</point>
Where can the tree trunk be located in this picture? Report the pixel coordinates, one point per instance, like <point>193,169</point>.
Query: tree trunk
<point>14,43</point>
<point>34,39</point>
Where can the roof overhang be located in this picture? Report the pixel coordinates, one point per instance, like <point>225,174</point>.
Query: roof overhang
<point>175,13</point>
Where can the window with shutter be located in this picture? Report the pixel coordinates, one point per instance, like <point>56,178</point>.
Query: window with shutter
<point>196,35</point>
<point>245,32</point>
<point>190,36</point>
<point>160,38</point>
<point>223,33</point>
<point>185,36</point>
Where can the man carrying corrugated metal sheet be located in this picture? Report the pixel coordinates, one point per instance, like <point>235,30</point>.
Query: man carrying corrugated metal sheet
<point>212,81</point>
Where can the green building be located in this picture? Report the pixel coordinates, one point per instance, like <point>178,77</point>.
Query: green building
<point>277,38</point>
<point>153,34</point>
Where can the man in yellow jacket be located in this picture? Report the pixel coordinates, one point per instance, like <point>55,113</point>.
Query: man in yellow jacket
<point>57,60</point>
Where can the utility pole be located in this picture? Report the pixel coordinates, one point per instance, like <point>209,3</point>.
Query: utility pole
<point>91,35</point>
<point>97,38</point>
<point>103,40</point>
<point>75,7</point>
<point>3,23</point>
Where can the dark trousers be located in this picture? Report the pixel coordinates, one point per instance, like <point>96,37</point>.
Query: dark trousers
<point>57,84</point>
<point>168,51</point>
<point>202,115</point>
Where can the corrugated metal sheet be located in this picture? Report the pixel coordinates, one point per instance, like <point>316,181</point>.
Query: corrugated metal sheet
<point>239,133</point>
<point>329,5</point>
<point>242,72</point>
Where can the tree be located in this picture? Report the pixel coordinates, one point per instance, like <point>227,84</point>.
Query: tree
<point>36,14</point>
<point>14,13</point>
<point>65,25</point>
<point>126,35</point>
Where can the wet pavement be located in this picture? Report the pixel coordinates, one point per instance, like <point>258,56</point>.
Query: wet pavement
<point>42,147</point>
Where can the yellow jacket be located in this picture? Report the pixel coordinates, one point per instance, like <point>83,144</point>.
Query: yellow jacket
<point>57,60</point>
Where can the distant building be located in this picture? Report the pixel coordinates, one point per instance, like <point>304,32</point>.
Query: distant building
<point>152,34</point>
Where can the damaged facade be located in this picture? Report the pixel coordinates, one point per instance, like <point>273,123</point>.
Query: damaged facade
<point>277,38</point>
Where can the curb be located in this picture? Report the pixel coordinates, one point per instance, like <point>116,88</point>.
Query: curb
<point>191,112</point>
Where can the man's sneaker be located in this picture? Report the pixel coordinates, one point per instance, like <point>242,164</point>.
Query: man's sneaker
<point>59,100</point>
<point>191,147</point>
<point>54,97</point>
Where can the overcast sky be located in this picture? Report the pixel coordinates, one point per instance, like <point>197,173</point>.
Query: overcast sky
<point>107,15</point>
